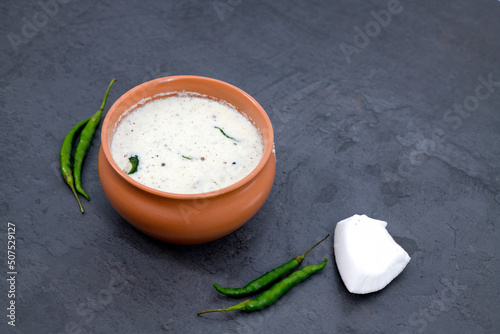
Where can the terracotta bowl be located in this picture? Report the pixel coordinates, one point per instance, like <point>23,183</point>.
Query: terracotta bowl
<point>187,218</point>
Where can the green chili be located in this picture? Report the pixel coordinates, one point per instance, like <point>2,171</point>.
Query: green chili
<point>225,133</point>
<point>135,162</point>
<point>85,141</point>
<point>65,158</point>
<point>270,296</point>
<point>267,278</point>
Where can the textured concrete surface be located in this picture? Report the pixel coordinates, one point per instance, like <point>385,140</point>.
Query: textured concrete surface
<point>394,114</point>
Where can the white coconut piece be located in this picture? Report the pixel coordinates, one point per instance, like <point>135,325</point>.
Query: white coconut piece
<point>367,256</point>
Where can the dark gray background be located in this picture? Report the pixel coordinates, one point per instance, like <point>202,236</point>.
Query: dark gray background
<point>372,132</point>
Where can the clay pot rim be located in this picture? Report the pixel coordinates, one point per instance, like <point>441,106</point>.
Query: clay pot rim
<point>115,108</point>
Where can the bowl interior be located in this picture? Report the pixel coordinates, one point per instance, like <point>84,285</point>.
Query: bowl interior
<point>212,88</point>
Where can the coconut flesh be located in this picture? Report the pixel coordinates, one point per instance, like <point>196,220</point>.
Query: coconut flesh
<point>367,256</point>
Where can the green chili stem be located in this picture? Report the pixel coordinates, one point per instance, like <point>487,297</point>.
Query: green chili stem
<point>267,278</point>
<point>85,142</point>
<point>270,296</point>
<point>238,307</point>
<point>300,258</point>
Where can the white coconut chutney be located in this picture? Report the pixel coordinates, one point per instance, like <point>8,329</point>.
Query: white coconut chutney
<point>187,144</point>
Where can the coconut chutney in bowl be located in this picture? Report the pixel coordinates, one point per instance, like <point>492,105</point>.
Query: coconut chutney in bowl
<point>204,156</point>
